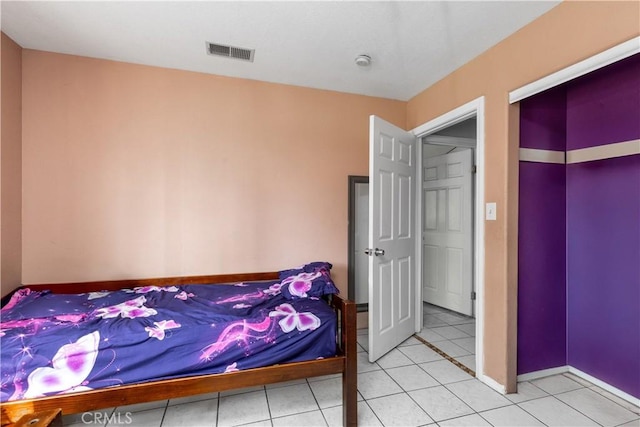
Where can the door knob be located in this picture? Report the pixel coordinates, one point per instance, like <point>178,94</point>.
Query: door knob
<point>376,251</point>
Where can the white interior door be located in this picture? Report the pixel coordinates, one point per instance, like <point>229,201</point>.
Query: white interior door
<point>447,231</point>
<point>392,234</point>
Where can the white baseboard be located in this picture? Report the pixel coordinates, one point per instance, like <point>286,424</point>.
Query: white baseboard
<point>543,373</point>
<point>577,372</point>
<point>605,386</point>
<point>492,383</point>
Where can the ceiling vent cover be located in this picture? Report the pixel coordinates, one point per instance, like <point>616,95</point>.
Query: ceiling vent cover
<point>230,51</point>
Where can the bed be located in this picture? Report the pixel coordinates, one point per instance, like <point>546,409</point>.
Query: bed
<point>204,333</point>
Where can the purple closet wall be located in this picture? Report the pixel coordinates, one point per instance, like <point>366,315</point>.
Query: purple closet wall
<point>604,107</point>
<point>603,229</point>
<point>596,302</point>
<point>603,225</point>
<point>541,262</point>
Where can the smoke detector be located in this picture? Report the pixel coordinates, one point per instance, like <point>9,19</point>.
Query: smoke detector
<point>363,60</point>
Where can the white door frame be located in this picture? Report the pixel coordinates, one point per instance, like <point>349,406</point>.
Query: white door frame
<point>473,108</point>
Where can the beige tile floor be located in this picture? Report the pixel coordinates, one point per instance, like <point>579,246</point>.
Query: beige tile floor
<point>451,332</point>
<point>410,386</point>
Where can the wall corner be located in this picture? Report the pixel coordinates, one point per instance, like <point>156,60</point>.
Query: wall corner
<point>10,165</point>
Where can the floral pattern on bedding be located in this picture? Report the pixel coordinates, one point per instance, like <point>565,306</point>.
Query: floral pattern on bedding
<point>62,343</point>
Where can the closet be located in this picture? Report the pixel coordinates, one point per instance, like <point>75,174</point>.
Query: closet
<point>579,228</point>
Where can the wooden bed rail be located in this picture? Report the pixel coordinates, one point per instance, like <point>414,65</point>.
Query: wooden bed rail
<point>345,362</point>
<point>167,389</point>
<point>114,285</point>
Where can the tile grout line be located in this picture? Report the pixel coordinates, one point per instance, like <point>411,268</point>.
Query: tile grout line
<point>408,393</point>
<point>218,398</point>
<point>446,356</point>
<point>324,417</point>
<point>164,412</point>
<point>527,412</point>
<point>372,411</point>
<point>576,409</point>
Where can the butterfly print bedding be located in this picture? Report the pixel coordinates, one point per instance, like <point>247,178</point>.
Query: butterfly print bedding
<point>62,343</point>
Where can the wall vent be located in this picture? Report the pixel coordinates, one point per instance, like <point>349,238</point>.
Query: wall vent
<point>230,51</point>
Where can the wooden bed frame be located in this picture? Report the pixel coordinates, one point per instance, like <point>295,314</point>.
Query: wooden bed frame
<point>345,362</point>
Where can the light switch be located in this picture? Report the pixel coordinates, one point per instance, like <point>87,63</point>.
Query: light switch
<point>490,214</point>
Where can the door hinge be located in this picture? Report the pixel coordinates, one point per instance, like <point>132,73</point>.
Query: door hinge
<point>473,295</point>
<point>474,169</point>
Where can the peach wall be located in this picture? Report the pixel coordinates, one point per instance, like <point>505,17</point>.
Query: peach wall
<point>136,171</point>
<point>11,167</point>
<point>569,33</point>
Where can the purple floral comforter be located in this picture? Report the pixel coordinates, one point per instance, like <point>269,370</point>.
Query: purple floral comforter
<point>61,343</point>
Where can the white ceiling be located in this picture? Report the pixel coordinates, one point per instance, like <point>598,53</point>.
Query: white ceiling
<point>413,44</point>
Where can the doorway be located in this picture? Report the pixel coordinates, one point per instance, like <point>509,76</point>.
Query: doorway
<point>448,291</point>
<point>472,109</point>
